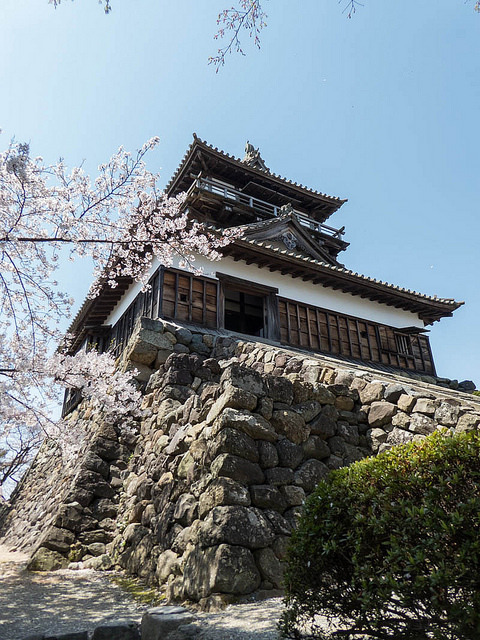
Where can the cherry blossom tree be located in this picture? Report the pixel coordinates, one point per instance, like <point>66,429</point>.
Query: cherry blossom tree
<point>121,220</point>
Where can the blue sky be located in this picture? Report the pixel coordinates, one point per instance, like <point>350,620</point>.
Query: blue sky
<point>381,109</point>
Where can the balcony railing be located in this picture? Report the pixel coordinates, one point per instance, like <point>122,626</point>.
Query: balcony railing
<point>261,207</point>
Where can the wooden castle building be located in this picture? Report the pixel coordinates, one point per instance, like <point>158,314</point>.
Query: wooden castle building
<point>280,280</point>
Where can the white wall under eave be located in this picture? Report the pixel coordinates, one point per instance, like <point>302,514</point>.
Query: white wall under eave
<point>295,289</point>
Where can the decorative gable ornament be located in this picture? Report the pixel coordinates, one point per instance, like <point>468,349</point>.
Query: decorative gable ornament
<point>253,158</point>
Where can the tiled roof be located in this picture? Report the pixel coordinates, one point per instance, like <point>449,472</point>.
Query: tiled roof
<point>341,269</point>
<point>270,174</point>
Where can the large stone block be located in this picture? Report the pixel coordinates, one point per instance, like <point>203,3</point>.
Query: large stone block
<point>252,424</point>
<point>223,568</point>
<point>315,447</point>
<point>325,424</point>
<point>236,442</point>
<point>310,474</point>
<point>236,468</point>
<point>233,398</point>
<point>267,497</point>
<point>159,623</point>
<point>381,413</point>
<point>244,378</point>
<point>290,424</point>
<point>447,413</point>
<point>59,540</point>
<point>289,453</point>
<point>47,560</point>
<point>243,526</point>
<point>268,455</point>
<point>371,392</point>
<point>270,567</point>
<point>223,492</point>
<point>279,389</point>
<point>421,423</point>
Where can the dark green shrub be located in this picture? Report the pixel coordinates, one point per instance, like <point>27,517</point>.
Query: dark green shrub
<point>390,546</point>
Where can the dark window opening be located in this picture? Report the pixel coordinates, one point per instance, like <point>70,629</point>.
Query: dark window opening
<point>244,313</point>
<point>404,344</point>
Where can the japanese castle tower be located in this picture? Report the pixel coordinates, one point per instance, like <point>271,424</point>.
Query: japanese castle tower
<point>280,280</point>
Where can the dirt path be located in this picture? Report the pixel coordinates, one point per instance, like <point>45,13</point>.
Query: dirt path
<point>68,601</point>
<point>58,602</point>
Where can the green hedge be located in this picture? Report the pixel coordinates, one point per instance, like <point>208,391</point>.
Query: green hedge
<point>390,546</point>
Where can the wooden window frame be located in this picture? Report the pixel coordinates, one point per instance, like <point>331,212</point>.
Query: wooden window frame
<point>270,302</point>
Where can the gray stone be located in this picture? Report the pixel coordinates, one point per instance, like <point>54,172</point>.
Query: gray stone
<point>467,385</point>
<point>92,462</point>
<point>425,405</point>
<point>322,395</point>
<point>267,497</point>
<point>279,389</point>
<point>167,563</point>
<point>69,516</point>
<point>268,455</point>
<point>158,623</point>
<point>371,392</point>
<point>401,420</point>
<point>100,563</point>
<point>224,568</point>
<point>376,437</point>
<point>406,402</point>
<point>308,410</point>
<point>280,547</point>
<point>243,526</point>
<point>315,447</point>
<point>353,453</point>
<point>265,407</point>
<point>289,454</point>
<point>447,413</point>
<point>337,446</point>
<point>294,496</point>
<point>399,436</point>
<point>349,432</point>
<point>290,424</point>
<point>244,378</point>
<point>344,403</point>
<point>325,424</point>
<point>96,548</point>
<point>279,476</point>
<point>393,392</point>
<point>236,442</point>
<point>467,422</point>
<point>381,413</point>
<point>46,560</point>
<point>223,492</point>
<point>186,509</point>
<point>270,567</point>
<point>310,474</point>
<point>421,423</point>
<point>59,540</point>
<point>236,468</point>
<point>252,424</point>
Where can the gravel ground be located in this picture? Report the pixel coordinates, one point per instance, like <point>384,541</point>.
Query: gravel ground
<point>67,601</point>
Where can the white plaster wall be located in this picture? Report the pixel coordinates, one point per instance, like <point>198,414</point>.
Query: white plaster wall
<point>293,288</point>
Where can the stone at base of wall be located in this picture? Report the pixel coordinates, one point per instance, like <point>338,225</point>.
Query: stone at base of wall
<point>160,623</point>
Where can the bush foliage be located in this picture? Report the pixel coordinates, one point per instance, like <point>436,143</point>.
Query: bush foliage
<point>390,546</point>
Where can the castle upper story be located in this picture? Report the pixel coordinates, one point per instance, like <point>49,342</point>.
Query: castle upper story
<point>282,278</point>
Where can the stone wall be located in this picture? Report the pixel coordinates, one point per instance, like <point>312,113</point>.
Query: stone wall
<point>235,435</point>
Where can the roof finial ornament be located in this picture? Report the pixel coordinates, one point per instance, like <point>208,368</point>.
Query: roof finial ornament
<point>253,158</point>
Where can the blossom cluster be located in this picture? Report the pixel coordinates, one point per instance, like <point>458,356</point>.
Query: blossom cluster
<point>121,220</point>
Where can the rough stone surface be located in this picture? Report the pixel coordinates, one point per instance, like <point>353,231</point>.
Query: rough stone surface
<point>235,436</point>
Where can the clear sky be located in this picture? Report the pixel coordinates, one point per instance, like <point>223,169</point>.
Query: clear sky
<point>381,109</point>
